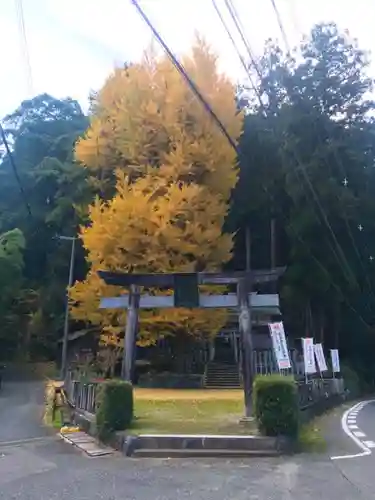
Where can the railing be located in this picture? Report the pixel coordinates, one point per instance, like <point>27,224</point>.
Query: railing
<point>81,394</point>
<point>264,363</point>
<point>318,390</point>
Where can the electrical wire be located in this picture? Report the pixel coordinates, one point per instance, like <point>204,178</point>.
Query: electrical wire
<point>340,256</point>
<point>208,108</point>
<point>235,18</point>
<point>347,224</point>
<point>24,45</point>
<point>338,161</point>
<point>321,266</point>
<point>234,15</point>
<point>15,171</point>
<point>243,62</point>
<point>281,26</point>
<point>183,72</point>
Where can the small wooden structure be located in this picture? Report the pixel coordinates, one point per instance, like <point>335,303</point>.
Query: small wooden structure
<point>186,295</point>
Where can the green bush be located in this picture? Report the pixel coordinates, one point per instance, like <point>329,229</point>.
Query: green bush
<point>275,402</point>
<point>115,407</point>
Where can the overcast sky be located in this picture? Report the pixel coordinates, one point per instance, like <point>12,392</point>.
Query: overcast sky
<point>74,44</point>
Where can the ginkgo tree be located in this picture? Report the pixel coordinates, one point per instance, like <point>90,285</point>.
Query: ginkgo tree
<point>170,172</point>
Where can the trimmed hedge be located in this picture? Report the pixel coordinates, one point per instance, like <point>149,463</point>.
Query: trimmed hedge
<point>115,407</point>
<point>275,402</point>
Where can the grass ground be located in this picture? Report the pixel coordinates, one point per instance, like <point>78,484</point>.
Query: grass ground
<point>171,411</point>
<point>311,438</point>
<point>57,422</point>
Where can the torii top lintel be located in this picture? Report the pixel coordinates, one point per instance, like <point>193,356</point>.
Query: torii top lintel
<point>168,280</point>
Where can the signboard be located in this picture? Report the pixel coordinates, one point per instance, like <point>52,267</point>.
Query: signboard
<point>335,360</point>
<point>279,345</point>
<point>186,291</point>
<point>308,355</point>
<point>320,358</point>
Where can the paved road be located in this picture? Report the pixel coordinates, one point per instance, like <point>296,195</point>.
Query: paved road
<point>49,469</point>
<point>21,407</point>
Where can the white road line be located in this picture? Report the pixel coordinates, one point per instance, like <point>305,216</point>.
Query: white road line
<point>369,444</point>
<point>359,434</point>
<point>352,420</point>
<point>20,442</point>
<point>352,426</point>
<point>345,427</point>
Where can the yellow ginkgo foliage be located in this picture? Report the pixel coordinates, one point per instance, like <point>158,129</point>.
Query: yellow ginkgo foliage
<point>172,172</point>
<point>146,116</point>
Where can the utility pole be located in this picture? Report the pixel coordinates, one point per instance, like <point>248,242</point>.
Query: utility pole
<point>248,248</point>
<point>64,353</point>
<point>273,240</point>
<point>273,243</point>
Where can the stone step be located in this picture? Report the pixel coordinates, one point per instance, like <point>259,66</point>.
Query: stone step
<point>150,453</point>
<point>221,375</point>
<point>201,445</point>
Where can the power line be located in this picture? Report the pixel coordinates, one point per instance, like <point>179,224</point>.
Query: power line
<point>338,161</point>
<point>24,46</point>
<point>15,171</point>
<point>196,91</point>
<point>234,14</point>
<point>347,224</point>
<point>235,17</point>
<point>243,62</point>
<point>183,72</point>
<point>280,23</point>
<point>321,266</point>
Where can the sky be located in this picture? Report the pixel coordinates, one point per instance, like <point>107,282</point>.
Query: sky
<point>73,45</point>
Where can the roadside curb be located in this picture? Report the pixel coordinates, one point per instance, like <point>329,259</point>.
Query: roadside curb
<point>180,445</point>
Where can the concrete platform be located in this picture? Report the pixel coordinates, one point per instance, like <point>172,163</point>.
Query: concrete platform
<point>156,445</point>
<point>87,444</point>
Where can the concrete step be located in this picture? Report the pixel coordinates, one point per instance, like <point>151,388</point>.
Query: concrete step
<point>222,380</point>
<point>180,445</point>
<point>221,372</point>
<point>172,453</point>
<point>222,375</point>
<point>222,387</point>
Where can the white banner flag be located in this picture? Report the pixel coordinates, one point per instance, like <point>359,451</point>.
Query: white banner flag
<point>335,360</point>
<point>279,345</point>
<point>308,355</point>
<point>320,358</point>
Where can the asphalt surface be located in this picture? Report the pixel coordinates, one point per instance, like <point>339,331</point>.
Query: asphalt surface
<point>35,465</point>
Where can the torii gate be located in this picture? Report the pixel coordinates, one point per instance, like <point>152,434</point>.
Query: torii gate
<point>186,294</point>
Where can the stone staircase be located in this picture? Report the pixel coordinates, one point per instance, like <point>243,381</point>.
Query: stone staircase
<point>222,376</point>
